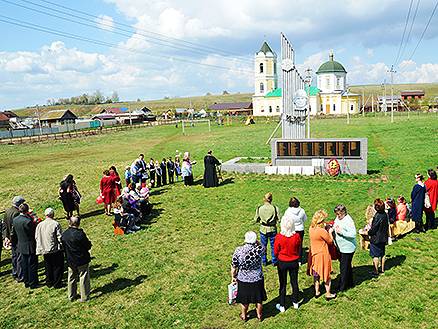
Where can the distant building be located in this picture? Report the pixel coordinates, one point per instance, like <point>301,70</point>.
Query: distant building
<point>386,103</point>
<point>58,117</point>
<point>114,110</point>
<point>329,97</point>
<point>411,94</point>
<point>4,121</point>
<point>10,114</point>
<point>125,116</point>
<point>244,108</point>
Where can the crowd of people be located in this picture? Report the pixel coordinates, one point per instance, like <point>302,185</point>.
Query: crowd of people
<point>328,240</point>
<point>28,237</point>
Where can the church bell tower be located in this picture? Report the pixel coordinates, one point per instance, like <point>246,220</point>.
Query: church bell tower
<point>265,70</point>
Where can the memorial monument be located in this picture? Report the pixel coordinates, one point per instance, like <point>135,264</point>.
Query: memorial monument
<point>293,153</point>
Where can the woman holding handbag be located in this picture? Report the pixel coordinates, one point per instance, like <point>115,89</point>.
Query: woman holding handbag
<point>345,239</point>
<point>246,270</point>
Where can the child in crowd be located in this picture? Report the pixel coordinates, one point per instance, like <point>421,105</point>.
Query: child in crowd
<point>128,175</point>
<point>364,238</point>
<point>402,208</point>
<point>177,169</point>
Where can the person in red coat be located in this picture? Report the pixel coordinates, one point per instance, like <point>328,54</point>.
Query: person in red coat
<point>116,177</point>
<point>287,249</point>
<point>108,191</point>
<point>432,190</point>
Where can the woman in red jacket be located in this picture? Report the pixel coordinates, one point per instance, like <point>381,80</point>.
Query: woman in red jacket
<point>287,250</point>
<point>432,190</point>
<point>108,191</point>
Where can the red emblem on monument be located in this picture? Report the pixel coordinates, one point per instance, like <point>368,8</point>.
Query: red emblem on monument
<point>333,167</point>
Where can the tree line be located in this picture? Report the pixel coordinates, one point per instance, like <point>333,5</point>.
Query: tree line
<point>86,99</point>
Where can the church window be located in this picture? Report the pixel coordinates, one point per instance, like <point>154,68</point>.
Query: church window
<point>322,108</point>
<point>261,67</point>
<point>334,107</point>
<point>277,108</point>
<point>275,67</point>
<point>262,88</point>
<point>263,109</point>
<point>327,80</point>
<point>270,109</point>
<point>351,108</point>
<point>338,83</point>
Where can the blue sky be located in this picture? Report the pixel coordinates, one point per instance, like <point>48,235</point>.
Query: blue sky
<point>365,36</point>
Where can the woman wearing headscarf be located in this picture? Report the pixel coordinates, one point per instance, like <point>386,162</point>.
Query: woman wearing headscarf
<point>186,170</point>
<point>320,262</point>
<point>287,249</point>
<point>246,270</point>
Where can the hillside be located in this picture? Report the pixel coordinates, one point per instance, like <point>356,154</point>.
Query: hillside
<point>200,102</point>
<point>157,106</point>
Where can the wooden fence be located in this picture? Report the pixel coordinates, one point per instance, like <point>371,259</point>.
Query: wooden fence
<point>81,133</point>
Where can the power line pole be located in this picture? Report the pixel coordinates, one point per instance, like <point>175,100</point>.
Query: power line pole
<point>392,71</point>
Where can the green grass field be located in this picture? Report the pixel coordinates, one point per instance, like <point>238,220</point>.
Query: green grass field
<point>174,273</point>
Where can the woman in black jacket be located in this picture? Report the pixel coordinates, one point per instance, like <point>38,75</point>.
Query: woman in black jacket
<point>378,234</point>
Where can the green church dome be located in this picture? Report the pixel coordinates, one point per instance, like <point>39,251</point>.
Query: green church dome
<point>331,66</point>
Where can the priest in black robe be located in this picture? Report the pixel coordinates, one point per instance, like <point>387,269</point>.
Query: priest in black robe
<point>210,173</point>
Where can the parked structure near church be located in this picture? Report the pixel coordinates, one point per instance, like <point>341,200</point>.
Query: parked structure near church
<point>330,96</point>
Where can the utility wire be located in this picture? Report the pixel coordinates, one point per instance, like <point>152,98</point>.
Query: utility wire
<point>36,27</point>
<point>94,26</point>
<point>408,38</point>
<point>404,33</point>
<point>146,33</point>
<point>424,31</point>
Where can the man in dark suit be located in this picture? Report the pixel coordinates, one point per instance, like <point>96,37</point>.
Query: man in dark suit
<point>10,214</point>
<point>23,233</point>
<point>163,172</point>
<point>170,169</point>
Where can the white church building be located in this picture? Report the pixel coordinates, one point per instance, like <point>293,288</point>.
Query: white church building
<point>330,96</point>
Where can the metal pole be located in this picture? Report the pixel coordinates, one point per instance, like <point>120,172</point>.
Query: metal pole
<point>386,105</point>
<point>209,126</point>
<point>183,130</point>
<point>392,93</point>
<point>363,104</point>
<point>130,118</point>
<point>348,109</point>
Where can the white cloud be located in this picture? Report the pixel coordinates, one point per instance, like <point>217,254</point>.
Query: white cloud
<point>105,22</point>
